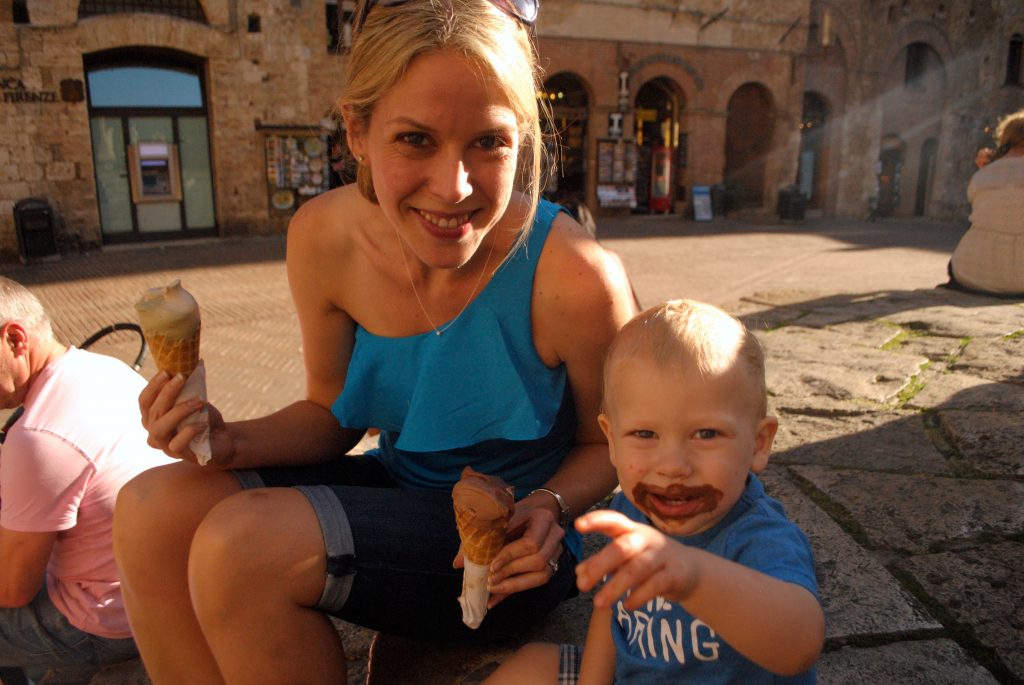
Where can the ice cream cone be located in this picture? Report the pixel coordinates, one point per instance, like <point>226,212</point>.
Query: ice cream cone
<point>174,356</point>
<point>483,507</point>
<point>479,544</point>
<point>170,322</point>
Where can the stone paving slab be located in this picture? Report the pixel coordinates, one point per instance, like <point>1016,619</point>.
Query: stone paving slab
<point>953,390</point>
<point>990,442</point>
<point>860,597</point>
<point>876,441</point>
<point>914,514</point>
<point>926,662</point>
<point>859,373</point>
<point>998,359</point>
<point>896,454</point>
<point>963,320</point>
<point>981,588</point>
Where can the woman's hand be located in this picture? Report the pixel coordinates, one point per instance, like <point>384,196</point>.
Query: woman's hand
<point>530,559</point>
<point>161,417</point>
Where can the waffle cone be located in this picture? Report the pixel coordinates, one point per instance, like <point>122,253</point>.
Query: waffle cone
<point>174,355</point>
<point>479,544</point>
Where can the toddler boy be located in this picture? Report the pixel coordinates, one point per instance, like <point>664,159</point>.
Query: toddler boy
<point>705,579</point>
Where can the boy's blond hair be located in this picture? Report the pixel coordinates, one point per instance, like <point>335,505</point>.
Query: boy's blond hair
<point>681,333</point>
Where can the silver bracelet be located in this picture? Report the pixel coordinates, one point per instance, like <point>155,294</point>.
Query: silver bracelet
<point>563,519</point>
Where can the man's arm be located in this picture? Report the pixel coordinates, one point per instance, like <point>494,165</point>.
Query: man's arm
<point>23,559</point>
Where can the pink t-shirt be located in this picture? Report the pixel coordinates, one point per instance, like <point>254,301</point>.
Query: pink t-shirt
<point>79,440</point>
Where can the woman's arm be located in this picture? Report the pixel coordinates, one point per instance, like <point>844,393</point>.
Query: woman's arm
<point>581,299</point>
<point>304,432</point>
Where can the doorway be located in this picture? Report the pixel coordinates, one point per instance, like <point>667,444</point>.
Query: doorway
<point>660,147</point>
<point>151,146</point>
<point>749,129</point>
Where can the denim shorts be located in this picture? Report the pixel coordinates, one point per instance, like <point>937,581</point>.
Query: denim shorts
<point>39,636</point>
<point>390,552</point>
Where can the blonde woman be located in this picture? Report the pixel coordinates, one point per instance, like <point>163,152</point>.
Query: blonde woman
<point>990,256</point>
<point>439,300</point>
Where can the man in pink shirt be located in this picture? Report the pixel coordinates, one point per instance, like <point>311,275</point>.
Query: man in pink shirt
<point>62,463</point>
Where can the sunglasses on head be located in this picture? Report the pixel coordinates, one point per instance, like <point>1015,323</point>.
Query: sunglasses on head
<point>524,10</point>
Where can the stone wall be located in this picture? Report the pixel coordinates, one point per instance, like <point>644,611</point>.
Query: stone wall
<point>281,76</point>
<point>284,76</point>
<point>862,73</point>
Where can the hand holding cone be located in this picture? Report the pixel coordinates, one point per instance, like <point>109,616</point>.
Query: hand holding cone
<point>483,506</point>
<point>170,321</point>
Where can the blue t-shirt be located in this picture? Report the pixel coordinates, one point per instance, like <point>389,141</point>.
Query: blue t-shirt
<point>662,643</point>
<point>477,395</point>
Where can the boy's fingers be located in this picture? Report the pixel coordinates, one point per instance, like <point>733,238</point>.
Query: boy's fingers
<point>606,522</point>
<point>609,561</point>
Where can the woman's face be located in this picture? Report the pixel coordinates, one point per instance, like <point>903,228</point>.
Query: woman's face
<point>442,145</point>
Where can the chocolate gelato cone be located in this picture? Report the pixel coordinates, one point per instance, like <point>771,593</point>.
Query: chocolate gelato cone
<point>483,506</point>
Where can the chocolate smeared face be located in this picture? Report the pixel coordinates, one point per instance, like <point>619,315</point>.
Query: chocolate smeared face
<point>683,442</point>
<point>676,502</point>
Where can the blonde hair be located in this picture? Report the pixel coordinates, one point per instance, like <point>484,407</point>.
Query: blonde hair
<point>392,37</point>
<point>687,334</point>
<point>18,304</point>
<point>1010,131</point>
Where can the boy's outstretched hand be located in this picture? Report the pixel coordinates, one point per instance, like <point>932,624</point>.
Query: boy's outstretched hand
<point>639,559</point>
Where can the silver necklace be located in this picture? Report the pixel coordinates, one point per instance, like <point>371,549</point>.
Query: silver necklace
<point>419,301</point>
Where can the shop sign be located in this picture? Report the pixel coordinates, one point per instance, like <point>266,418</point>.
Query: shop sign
<point>15,91</point>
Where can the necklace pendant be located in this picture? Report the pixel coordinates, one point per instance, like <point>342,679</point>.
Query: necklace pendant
<point>438,333</point>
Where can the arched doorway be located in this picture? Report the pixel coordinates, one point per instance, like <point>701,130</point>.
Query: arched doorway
<point>890,175</point>
<point>813,170</point>
<point>660,146</point>
<point>913,102</point>
<point>150,144</point>
<point>569,103</point>
<point>748,139</point>
<point>925,173</point>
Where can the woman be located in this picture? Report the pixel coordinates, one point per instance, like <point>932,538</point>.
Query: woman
<point>439,301</point>
<point>990,256</point>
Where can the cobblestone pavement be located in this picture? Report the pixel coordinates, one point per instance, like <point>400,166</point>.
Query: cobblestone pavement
<point>900,407</point>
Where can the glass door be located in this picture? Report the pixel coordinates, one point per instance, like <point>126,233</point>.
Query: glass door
<point>151,149</point>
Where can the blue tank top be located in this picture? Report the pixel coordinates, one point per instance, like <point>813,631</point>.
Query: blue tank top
<point>477,395</point>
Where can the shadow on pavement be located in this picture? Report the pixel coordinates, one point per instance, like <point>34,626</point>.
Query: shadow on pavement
<point>860,235</point>
<point>143,258</point>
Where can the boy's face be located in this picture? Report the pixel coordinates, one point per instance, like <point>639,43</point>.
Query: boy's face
<point>682,444</point>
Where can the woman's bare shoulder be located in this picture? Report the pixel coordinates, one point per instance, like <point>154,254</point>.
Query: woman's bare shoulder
<point>571,252</point>
<point>332,227</point>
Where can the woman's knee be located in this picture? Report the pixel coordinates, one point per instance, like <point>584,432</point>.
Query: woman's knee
<point>265,541</point>
<point>165,504</point>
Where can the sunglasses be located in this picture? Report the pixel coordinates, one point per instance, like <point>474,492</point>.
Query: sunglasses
<point>524,10</point>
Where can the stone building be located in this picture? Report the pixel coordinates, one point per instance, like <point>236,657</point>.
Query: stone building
<point>139,120</point>
<point>899,96</point>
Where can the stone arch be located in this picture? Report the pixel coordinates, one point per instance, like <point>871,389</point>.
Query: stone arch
<point>685,78</point>
<point>112,31</point>
<point>749,132</point>
<point>569,97</point>
<point>916,32</point>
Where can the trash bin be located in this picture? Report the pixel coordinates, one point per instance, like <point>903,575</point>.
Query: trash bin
<point>718,199</point>
<point>37,238</point>
<point>791,203</point>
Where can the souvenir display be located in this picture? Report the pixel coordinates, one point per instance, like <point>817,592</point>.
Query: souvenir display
<point>296,169</point>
